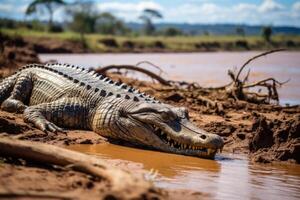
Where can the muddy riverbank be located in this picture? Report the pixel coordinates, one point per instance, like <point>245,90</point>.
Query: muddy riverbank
<point>15,52</point>
<point>266,133</point>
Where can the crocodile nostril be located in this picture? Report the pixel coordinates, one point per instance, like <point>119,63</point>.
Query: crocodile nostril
<point>203,137</point>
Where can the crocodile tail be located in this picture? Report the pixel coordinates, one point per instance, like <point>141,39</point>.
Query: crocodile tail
<point>6,86</point>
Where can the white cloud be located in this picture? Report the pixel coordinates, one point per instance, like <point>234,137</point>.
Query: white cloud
<point>6,7</point>
<point>272,12</point>
<point>126,7</point>
<point>296,6</point>
<point>296,10</point>
<point>194,13</point>
<point>270,6</point>
<point>128,11</point>
<point>22,9</point>
<point>268,12</point>
<point>209,8</point>
<point>244,7</point>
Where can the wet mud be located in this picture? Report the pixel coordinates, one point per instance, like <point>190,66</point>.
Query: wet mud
<point>267,133</point>
<point>14,52</point>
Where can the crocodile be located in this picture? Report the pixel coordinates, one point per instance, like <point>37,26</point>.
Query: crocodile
<point>55,97</point>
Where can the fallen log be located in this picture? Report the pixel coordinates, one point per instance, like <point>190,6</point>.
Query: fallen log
<point>119,180</point>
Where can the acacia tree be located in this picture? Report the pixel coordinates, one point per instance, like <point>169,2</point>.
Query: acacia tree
<point>40,5</point>
<point>147,17</point>
<point>83,19</point>
<point>240,31</point>
<point>108,24</point>
<point>267,33</point>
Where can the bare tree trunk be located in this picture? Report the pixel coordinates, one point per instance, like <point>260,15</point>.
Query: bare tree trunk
<point>120,181</point>
<point>50,22</point>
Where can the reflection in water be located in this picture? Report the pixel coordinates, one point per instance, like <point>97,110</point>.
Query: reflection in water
<point>167,165</point>
<point>222,178</point>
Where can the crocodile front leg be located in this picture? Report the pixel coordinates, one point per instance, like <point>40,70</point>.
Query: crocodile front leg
<point>65,112</point>
<point>19,95</point>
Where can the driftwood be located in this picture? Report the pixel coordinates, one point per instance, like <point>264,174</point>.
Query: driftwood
<point>161,80</point>
<point>150,64</point>
<point>211,104</point>
<point>239,89</point>
<point>119,180</point>
<point>253,58</point>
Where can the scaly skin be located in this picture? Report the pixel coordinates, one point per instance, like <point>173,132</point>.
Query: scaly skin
<point>57,95</point>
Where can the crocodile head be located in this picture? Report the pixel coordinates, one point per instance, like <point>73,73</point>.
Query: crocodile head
<point>162,127</point>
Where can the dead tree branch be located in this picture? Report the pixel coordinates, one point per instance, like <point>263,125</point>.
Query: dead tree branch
<point>263,83</point>
<point>52,155</point>
<point>161,80</point>
<point>211,104</point>
<point>253,58</point>
<point>151,64</point>
<point>238,89</point>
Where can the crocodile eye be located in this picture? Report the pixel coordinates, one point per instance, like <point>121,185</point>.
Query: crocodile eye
<point>168,115</point>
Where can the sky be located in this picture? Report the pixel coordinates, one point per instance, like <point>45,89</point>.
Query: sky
<point>251,12</point>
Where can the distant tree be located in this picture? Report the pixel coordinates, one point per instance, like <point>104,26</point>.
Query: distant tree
<point>240,31</point>
<point>7,23</point>
<point>267,33</point>
<point>171,31</point>
<point>147,17</point>
<point>206,33</point>
<point>40,5</point>
<point>83,19</point>
<point>106,23</point>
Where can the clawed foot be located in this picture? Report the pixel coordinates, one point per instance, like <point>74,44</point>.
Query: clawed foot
<point>13,105</point>
<point>50,127</point>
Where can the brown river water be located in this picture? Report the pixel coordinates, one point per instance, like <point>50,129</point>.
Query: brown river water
<point>228,176</point>
<point>208,69</point>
